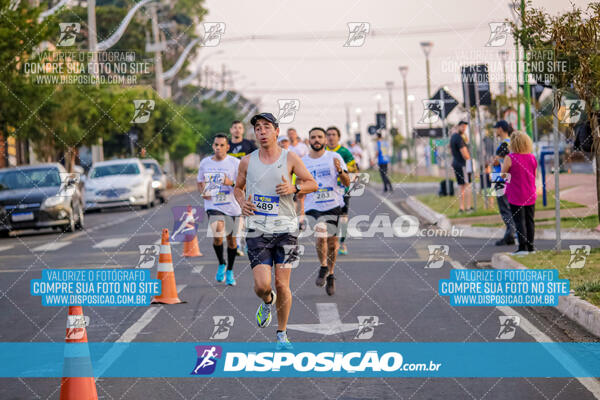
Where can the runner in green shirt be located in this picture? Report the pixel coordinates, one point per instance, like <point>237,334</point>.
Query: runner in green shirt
<point>333,144</point>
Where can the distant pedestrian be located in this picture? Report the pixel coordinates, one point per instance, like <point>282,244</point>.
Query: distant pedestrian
<point>520,189</point>
<point>460,155</point>
<point>503,130</point>
<point>383,159</point>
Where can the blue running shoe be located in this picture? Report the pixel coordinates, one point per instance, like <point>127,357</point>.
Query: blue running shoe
<point>221,273</point>
<point>283,342</point>
<point>229,279</point>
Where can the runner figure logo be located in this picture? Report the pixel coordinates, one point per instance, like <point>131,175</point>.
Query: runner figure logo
<point>186,220</point>
<point>148,255</point>
<point>287,110</point>
<point>68,33</point>
<point>579,254</point>
<point>573,111</point>
<point>76,325</point>
<point>207,359</point>
<point>143,109</point>
<point>223,323</point>
<point>293,252</point>
<point>499,32</point>
<point>358,183</point>
<point>357,34</point>
<point>366,326</point>
<point>498,184</point>
<point>212,33</point>
<point>508,326</point>
<point>432,111</point>
<point>437,255</point>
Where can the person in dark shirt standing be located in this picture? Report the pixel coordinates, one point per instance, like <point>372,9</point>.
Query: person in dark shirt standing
<point>503,130</point>
<point>460,155</point>
<point>238,146</point>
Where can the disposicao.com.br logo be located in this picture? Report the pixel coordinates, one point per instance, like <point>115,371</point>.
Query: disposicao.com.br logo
<point>325,362</point>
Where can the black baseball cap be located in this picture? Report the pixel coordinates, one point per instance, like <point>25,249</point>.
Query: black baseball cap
<point>267,116</point>
<point>463,122</point>
<point>502,124</point>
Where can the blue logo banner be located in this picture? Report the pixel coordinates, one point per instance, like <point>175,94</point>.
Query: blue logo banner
<point>307,359</point>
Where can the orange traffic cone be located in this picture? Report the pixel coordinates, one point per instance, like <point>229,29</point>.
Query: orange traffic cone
<point>166,273</point>
<point>190,247</point>
<point>77,360</point>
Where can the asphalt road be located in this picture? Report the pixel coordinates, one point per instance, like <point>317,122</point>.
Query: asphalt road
<point>382,276</point>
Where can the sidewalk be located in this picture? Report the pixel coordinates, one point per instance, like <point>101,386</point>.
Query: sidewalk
<point>577,188</point>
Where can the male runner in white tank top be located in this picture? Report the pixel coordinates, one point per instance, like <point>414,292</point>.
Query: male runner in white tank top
<point>265,192</point>
<point>324,206</point>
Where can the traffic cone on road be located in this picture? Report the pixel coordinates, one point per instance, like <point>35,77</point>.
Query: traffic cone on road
<point>77,361</point>
<point>190,245</point>
<point>166,274</point>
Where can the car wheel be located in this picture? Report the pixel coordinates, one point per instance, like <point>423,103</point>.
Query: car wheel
<point>80,219</point>
<point>4,234</point>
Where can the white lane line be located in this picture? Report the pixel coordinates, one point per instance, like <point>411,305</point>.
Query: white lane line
<point>388,203</point>
<point>51,246</point>
<point>110,243</point>
<point>198,269</point>
<point>129,335</point>
<point>590,384</point>
<point>6,247</point>
<point>561,356</point>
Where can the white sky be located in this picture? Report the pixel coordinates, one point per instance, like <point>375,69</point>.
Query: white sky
<point>305,69</point>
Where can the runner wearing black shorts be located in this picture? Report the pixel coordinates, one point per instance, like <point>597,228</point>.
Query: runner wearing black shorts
<point>324,207</point>
<point>265,193</point>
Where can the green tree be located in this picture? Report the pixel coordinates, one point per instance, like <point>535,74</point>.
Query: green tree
<point>574,38</point>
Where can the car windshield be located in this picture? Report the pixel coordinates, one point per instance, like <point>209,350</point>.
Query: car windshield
<point>153,167</point>
<point>29,178</point>
<point>115,169</point>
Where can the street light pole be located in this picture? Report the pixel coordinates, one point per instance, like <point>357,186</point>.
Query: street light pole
<point>404,71</point>
<point>158,70</point>
<point>504,56</point>
<point>390,86</point>
<point>410,98</point>
<point>427,46</point>
<point>526,90</point>
<point>513,11</point>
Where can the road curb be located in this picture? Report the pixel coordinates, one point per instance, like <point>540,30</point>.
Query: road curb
<point>428,214</point>
<point>481,232</point>
<point>576,309</point>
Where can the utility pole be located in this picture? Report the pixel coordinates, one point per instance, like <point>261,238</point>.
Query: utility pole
<point>158,70</point>
<point>526,89</point>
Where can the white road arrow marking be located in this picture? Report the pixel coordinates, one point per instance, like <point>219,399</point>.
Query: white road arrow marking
<point>198,269</point>
<point>329,322</point>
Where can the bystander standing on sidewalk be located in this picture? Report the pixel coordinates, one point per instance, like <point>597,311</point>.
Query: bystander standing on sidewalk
<point>460,155</point>
<point>503,130</point>
<point>520,190</point>
<point>383,159</point>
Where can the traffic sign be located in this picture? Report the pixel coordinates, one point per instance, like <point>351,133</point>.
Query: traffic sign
<point>476,75</point>
<point>372,129</point>
<point>449,102</point>
<point>380,121</point>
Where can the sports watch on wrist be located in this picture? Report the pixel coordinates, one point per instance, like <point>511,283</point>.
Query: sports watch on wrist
<point>297,188</point>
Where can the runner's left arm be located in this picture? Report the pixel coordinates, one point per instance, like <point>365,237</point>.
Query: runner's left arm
<point>305,180</point>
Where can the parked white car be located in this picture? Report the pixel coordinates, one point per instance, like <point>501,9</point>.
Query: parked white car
<point>118,183</point>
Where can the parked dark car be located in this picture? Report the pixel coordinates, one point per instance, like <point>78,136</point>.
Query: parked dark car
<point>40,196</point>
